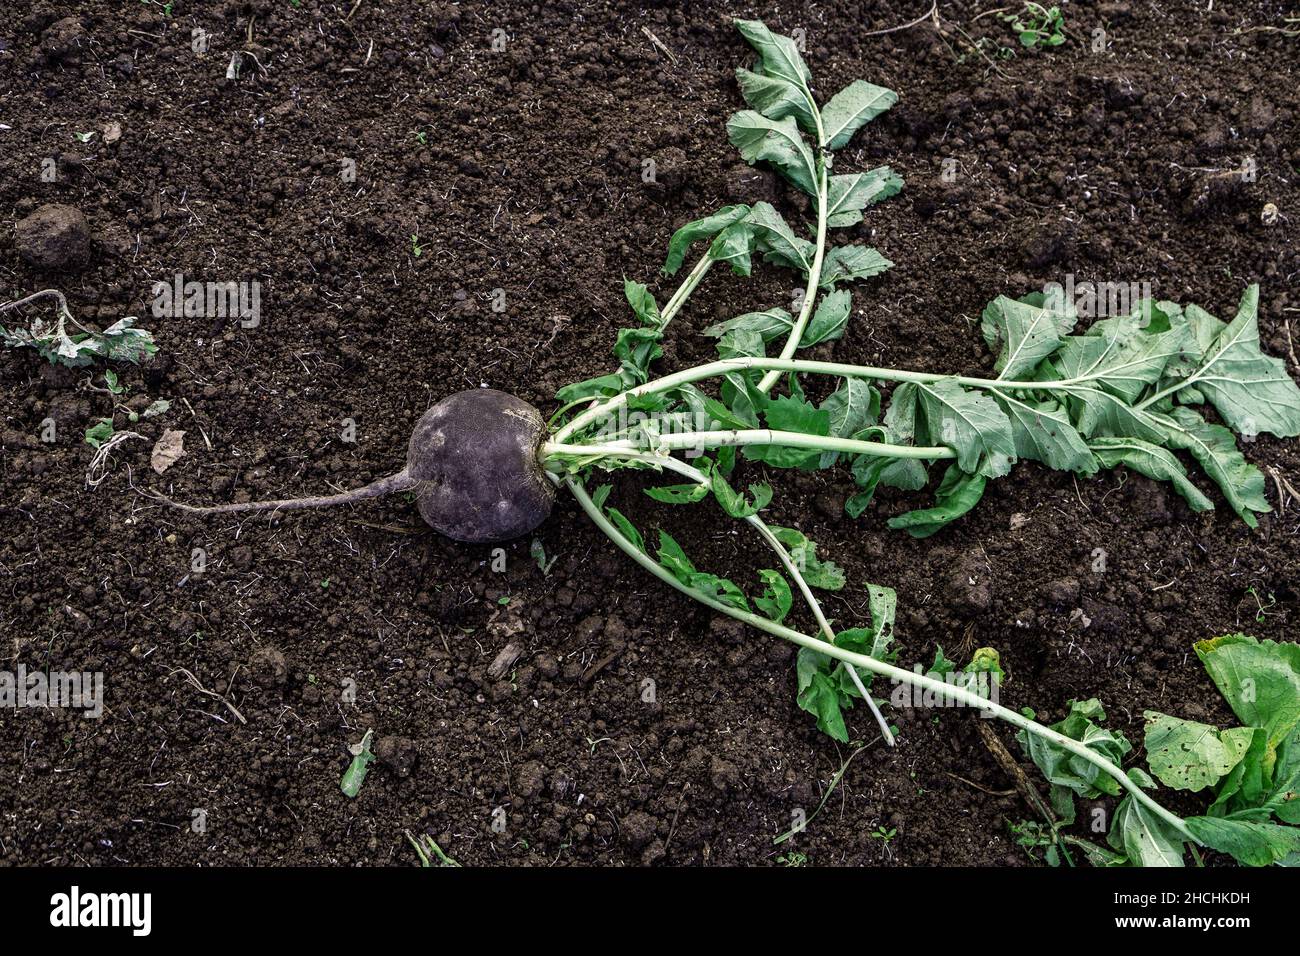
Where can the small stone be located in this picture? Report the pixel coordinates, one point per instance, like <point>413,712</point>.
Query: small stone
<point>1062,592</point>
<point>638,828</point>
<point>399,754</point>
<point>54,237</point>
<point>268,666</point>
<point>670,170</point>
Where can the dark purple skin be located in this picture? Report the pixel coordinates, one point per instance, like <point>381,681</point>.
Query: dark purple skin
<point>474,456</point>
<point>472,463</point>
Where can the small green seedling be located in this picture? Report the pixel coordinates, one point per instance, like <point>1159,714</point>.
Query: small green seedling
<point>1037,26</point>
<point>1262,608</point>
<point>417,250</point>
<point>538,553</point>
<point>99,433</point>
<point>355,775</point>
<point>793,859</point>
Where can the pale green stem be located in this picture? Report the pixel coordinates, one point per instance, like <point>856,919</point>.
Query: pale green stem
<point>824,626</point>
<point>678,299</point>
<point>727,366</point>
<point>814,274</point>
<point>689,471</point>
<point>944,690</point>
<point>1166,392</point>
<point>754,436</point>
<point>768,436</point>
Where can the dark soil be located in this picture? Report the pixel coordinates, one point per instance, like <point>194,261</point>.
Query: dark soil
<point>520,170</point>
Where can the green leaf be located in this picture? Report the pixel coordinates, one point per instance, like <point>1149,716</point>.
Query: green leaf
<point>776,600</point>
<point>1215,447</point>
<point>1259,679</point>
<point>735,246</point>
<point>740,343</point>
<point>776,98</point>
<point>847,195</point>
<point>1068,773</point>
<point>850,263</point>
<point>850,109</point>
<point>1026,331</point>
<point>788,413</point>
<point>1143,837</point>
<point>675,561</point>
<point>679,494</point>
<point>355,775</point>
<point>1245,788</point>
<point>1041,431</point>
<point>99,432</point>
<point>1123,359</point>
<point>968,422</point>
<point>829,320</point>
<point>769,325</point>
<point>705,228</point>
<point>778,55</point>
<point>777,241</point>
<point>719,589</point>
<point>821,697</point>
<point>601,386</point>
<point>777,142</point>
<point>673,558</point>
<point>1152,461</point>
<point>643,303</point>
<point>853,406</point>
<point>1097,413</point>
<point>941,666</point>
<point>708,413</point>
<point>1187,755</point>
<point>908,474</point>
<point>1249,843</point>
<point>734,503</point>
<point>825,575</point>
<point>626,527</point>
<point>875,641</point>
<point>636,349</point>
<point>1252,391</point>
<point>957,494</point>
<point>986,660</point>
<point>123,342</point>
<point>1206,330</point>
<point>1283,797</point>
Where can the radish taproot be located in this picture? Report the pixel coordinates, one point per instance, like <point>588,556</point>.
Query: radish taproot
<point>472,464</point>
